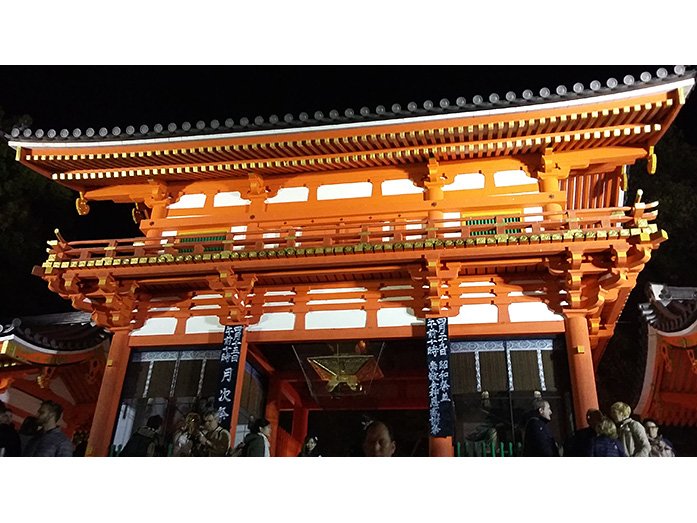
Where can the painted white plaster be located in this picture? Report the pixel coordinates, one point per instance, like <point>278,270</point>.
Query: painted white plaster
<point>189,201</point>
<point>340,191</point>
<point>510,178</point>
<point>397,317</point>
<point>289,195</point>
<point>274,321</point>
<point>155,326</point>
<point>337,290</point>
<point>343,319</point>
<point>58,386</point>
<point>203,325</point>
<point>396,187</point>
<point>464,182</point>
<point>230,199</point>
<point>480,313</point>
<point>531,311</point>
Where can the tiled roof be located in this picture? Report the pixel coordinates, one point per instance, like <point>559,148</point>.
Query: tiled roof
<point>670,309</point>
<point>62,332</point>
<point>394,112</point>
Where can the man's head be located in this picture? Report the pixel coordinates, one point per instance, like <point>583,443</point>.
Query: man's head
<point>620,411</point>
<point>651,428</point>
<point>593,417</point>
<point>378,441</point>
<point>542,408</point>
<point>49,413</point>
<point>154,422</point>
<point>5,415</point>
<point>211,420</point>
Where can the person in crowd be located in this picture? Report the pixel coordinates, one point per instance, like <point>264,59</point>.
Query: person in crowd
<point>10,444</point>
<point>27,431</point>
<point>185,436</point>
<point>538,440</point>
<point>145,440</point>
<point>631,433</point>
<point>660,446</point>
<point>257,443</point>
<point>378,440</point>
<point>606,444</point>
<point>214,440</point>
<point>310,448</point>
<point>580,444</point>
<point>51,441</point>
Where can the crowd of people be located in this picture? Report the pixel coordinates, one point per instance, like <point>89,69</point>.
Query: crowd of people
<point>39,436</point>
<point>616,435</point>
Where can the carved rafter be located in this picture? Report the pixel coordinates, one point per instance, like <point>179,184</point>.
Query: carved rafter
<point>235,289</point>
<point>436,278</point>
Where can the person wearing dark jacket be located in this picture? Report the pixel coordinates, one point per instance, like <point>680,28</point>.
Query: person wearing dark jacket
<point>144,441</point>
<point>50,442</point>
<point>606,444</point>
<point>580,444</point>
<point>256,443</point>
<point>539,441</point>
<point>10,445</point>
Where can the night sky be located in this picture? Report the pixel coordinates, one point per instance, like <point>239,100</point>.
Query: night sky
<point>104,96</point>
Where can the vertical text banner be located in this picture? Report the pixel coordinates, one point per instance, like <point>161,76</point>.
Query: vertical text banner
<point>227,376</point>
<point>438,363</point>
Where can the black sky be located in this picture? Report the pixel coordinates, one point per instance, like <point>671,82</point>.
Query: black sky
<point>104,96</point>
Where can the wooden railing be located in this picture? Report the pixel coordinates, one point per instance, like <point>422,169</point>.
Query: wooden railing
<point>355,233</point>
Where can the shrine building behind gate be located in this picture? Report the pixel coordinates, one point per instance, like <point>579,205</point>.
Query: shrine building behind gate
<point>334,239</point>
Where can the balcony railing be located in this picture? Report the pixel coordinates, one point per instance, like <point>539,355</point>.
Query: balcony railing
<point>339,236</point>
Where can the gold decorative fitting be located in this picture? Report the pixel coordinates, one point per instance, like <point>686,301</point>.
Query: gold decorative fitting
<point>81,205</point>
<point>652,161</point>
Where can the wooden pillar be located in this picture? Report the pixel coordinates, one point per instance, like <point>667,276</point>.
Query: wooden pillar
<point>441,447</point>
<point>299,429</point>
<point>273,411</point>
<point>237,395</point>
<point>109,398</point>
<point>578,347</point>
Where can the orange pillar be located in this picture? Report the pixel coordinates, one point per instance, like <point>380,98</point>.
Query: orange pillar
<point>581,370</point>
<point>299,429</point>
<point>234,421</point>
<point>273,411</point>
<point>107,406</point>
<point>441,447</point>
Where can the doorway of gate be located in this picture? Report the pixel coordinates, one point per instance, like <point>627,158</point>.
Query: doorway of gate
<point>340,433</point>
<point>332,389</point>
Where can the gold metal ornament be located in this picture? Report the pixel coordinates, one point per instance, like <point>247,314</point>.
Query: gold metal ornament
<point>81,205</point>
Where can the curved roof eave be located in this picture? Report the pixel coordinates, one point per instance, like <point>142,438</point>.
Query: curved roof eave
<point>685,81</point>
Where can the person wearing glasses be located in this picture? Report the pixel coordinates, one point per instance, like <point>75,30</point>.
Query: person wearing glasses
<point>660,446</point>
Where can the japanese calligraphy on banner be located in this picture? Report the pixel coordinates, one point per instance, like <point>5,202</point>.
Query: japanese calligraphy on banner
<point>227,376</point>
<point>438,361</point>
